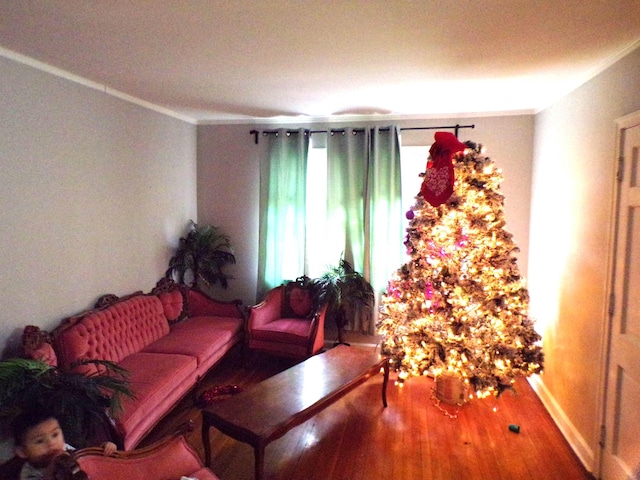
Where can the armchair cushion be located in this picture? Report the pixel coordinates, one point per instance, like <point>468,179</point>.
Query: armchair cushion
<point>284,330</point>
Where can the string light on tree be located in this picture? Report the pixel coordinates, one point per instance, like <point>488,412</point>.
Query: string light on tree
<point>459,306</point>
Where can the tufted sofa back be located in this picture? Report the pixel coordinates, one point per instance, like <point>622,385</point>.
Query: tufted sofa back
<point>112,333</point>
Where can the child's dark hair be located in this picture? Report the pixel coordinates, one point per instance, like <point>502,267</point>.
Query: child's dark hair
<point>28,419</point>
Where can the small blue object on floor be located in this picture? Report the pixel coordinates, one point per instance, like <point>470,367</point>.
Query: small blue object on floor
<point>514,428</point>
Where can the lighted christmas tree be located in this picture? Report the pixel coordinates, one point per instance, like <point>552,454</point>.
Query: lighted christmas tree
<point>459,305</point>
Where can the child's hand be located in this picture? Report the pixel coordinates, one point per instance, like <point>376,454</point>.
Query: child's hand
<point>109,448</point>
<point>64,467</point>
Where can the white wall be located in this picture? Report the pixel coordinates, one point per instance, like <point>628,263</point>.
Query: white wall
<point>571,222</point>
<point>228,179</point>
<point>94,194</point>
<point>228,183</point>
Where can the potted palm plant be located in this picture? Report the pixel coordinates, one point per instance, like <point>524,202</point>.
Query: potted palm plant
<point>201,257</point>
<point>82,403</point>
<point>347,295</point>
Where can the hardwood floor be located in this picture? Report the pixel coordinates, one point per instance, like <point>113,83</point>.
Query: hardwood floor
<point>413,439</point>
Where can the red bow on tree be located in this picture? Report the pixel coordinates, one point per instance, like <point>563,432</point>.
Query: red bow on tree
<point>437,185</point>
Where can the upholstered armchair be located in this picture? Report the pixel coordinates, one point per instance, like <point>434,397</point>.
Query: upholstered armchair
<point>287,322</point>
<point>170,458</point>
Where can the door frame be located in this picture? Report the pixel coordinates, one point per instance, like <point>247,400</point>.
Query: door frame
<point>622,124</point>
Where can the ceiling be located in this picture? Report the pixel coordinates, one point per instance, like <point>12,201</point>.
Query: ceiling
<point>304,60</point>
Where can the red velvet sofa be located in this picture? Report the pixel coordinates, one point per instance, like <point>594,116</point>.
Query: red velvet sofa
<point>167,340</point>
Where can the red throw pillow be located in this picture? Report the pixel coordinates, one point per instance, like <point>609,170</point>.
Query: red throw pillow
<point>172,303</point>
<point>298,302</point>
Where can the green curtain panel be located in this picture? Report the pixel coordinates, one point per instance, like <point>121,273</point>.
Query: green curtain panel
<point>364,203</point>
<point>347,155</point>
<point>282,208</point>
<point>364,206</point>
<point>383,220</point>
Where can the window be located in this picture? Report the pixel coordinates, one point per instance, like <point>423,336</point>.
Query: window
<point>316,255</point>
<point>413,162</point>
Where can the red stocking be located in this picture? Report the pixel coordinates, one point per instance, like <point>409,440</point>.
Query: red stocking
<point>437,185</point>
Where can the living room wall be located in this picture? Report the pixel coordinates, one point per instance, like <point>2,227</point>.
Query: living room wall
<point>95,192</point>
<point>571,226</point>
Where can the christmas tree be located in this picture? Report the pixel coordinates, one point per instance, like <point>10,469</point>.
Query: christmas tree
<point>459,305</point>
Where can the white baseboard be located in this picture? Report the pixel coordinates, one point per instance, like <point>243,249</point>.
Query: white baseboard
<point>576,441</point>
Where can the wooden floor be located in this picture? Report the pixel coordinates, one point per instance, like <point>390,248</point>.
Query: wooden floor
<point>413,439</point>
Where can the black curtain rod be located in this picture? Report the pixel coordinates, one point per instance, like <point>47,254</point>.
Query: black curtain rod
<point>455,127</point>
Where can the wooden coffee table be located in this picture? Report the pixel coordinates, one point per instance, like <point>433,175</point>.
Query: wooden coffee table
<point>266,411</point>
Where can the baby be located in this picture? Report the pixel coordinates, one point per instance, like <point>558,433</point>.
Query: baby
<point>39,441</point>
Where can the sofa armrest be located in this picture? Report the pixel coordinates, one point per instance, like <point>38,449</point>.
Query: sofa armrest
<point>37,345</point>
<point>200,304</point>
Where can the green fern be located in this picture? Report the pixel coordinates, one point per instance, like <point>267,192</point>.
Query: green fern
<point>347,295</point>
<point>203,255</point>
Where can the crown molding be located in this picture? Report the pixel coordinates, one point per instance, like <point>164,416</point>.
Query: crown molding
<point>58,72</point>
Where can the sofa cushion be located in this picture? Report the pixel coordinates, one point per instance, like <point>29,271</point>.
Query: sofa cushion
<point>113,333</point>
<point>158,381</point>
<point>284,330</point>
<point>199,337</point>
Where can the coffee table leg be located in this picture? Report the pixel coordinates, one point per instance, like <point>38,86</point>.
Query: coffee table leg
<point>205,442</point>
<point>259,457</point>
<point>384,383</point>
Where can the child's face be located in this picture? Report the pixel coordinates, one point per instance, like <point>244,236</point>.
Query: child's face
<point>42,443</point>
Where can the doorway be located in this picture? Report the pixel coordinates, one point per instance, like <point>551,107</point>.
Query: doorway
<point>620,439</point>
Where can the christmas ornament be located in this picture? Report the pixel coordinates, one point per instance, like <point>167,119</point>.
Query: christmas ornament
<point>437,185</point>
